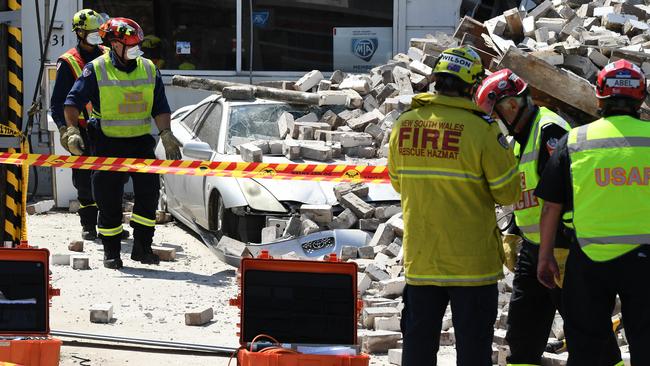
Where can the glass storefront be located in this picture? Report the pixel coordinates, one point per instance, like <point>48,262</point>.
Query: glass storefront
<point>289,35</point>
<point>181,34</point>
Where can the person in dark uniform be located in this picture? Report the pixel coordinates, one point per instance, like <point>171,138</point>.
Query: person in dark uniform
<point>70,64</point>
<point>126,92</point>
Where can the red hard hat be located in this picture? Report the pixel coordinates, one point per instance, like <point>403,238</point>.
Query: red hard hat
<point>123,30</point>
<point>621,79</point>
<point>501,84</point>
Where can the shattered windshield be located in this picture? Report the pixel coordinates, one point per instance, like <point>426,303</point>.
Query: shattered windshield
<point>253,122</point>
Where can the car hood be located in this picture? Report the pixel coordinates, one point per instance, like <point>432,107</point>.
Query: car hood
<point>318,192</point>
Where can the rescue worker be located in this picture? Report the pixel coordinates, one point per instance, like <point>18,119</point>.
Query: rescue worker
<point>85,23</point>
<point>601,171</point>
<point>451,165</point>
<point>126,91</point>
<point>536,131</point>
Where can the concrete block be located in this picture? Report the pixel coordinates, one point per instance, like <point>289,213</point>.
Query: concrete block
<point>332,119</point>
<point>387,323</point>
<point>393,249</point>
<point>402,79</point>
<point>360,85</point>
<point>238,92</point>
<point>166,254</point>
<point>386,91</point>
<point>269,234</point>
<point>447,321</point>
<point>199,317</point>
<point>347,114</point>
<point>363,283</point>
<point>319,153</point>
<point>324,85</point>
<point>552,359</point>
<point>597,58</point>
<point>386,212</point>
<point>586,10</point>
<point>415,53</point>
<point>231,246</point>
<point>40,207</point>
<point>370,103</point>
<point>447,338</point>
<point>356,139</point>
<point>615,22</point>
<point>367,152</point>
<point>308,227</point>
<point>76,246</point>
<point>383,236</point>
<point>305,132</point>
<point>591,22</point>
<point>251,153</point>
<point>528,25</point>
<point>354,99</point>
<point>500,337</point>
<point>344,220</point>
<point>541,9</point>
<point>337,77</point>
<point>376,272</point>
<point>358,188</point>
<point>392,288</point>
<point>369,224</point>
<point>582,66</point>
<point>542,35</point>
<point>398,226</point>
<point>602,11</point>
<point>330,136</point>
<point>360,208</point>
<point>371,313</point>
<point>275,147</point>
<point>308,81</point>
<point>496,25</point>
<point>633,28</point>
<point>395,356</point>
<point>366,252</point>
<point>262,145</point>
<point>419,67</point>
<point>309,117</point>
<point>419,82</point>
<point>348,252</point>
<point>60,259</point>
<point>332,97</point>
<point>361,122</point>
<point>163,217</point>
<point>565,12</point>
<point>558,327</point>
<point>379,341</point>
<point>553,24</point>
<point>74,206</point>
<point>291,149</point>
<point>80,262</point>
<point>318,213</point>
<point>101,313</point>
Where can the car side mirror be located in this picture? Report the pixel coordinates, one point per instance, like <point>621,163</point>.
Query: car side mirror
<point>197,150</point>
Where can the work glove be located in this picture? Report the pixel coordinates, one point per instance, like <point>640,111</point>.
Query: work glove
<point>75,143</point>
<point>511,246</point>
<point>171,144</point>
<point>561,255</point>
<point>64,137</point>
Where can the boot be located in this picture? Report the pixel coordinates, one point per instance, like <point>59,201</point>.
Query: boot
<point>112,253</point>
<point>88,233</point>
<point>125,234</point>
<point>143,253</point>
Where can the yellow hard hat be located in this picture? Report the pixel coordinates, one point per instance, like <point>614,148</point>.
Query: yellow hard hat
<point>462,62</point>
<point>86,19</point>
<point>151,41</point>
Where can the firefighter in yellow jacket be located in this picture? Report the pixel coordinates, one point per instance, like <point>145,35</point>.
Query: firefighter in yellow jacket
<point>451,165</point>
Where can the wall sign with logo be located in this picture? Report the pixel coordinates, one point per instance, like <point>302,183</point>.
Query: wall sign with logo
<point>361,49</point>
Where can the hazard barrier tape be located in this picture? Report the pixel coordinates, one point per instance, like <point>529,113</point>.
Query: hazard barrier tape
<point>290,171</point>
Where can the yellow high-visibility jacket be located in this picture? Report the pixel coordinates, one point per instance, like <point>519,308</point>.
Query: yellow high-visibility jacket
<point>451,164</point>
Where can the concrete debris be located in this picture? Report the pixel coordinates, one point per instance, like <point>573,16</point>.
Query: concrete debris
<point>101,313</point>
<point>76,246</point>
<point>80,262</point>
<point>199,318</point>
<point>40,207</point>
<point>74,206</point>
<point>308,81</point>
<point>345,220</point>
<point>357,205</point>
<point>165,254</point>
<point>63,259</point>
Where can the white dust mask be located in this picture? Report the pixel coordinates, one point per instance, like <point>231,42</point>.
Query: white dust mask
<point>133,53</point>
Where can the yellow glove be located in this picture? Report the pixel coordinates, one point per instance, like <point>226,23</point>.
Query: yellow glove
<point>64,137</point>
<point>511,245</point>
<point>76,144</point>
<point>561,255</point>
<point>171,144</point>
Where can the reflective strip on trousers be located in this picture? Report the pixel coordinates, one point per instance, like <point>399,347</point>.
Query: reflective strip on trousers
<point>528,229</point>
<point>620,239</point>
<point>101,63</point>
<point>126,123</point>
<point>449,279</point>
<point>90,205</point>
<point>142,220</point>
<point>110,232</point>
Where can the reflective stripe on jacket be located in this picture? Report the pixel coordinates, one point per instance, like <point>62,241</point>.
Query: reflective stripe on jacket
<point>529,208</point>
<point>451,165</point>
<point>73,58</point>
<point>610,175</point>
<point>126,98</point>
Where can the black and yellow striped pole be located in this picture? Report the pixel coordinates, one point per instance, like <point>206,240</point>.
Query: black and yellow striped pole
<point>15,177</point>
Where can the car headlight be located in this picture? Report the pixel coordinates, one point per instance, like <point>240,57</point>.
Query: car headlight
<point>258,197</point>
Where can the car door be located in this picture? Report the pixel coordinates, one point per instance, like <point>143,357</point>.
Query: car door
<point>184,132</point>
<point>193,188</point>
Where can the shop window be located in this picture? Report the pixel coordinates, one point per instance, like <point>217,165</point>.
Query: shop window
<point>181,34</point>
<point>299,35</point>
